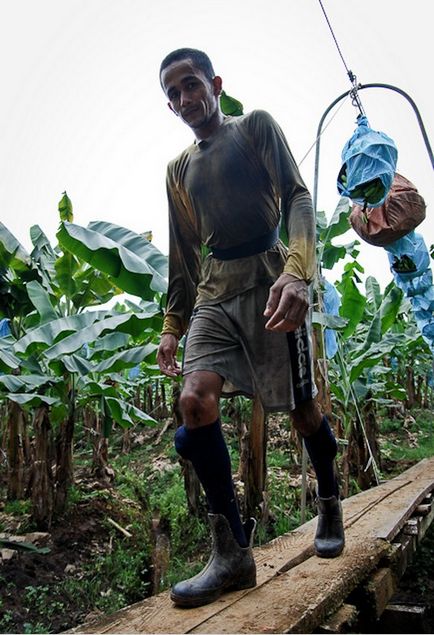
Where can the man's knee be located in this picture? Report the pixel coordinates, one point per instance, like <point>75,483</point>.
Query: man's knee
<point>199,400</point>
<point>197,407</point>
<point>307,417</point>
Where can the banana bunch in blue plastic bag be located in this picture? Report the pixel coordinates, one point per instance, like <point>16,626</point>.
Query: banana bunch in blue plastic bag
<point>368,165</point>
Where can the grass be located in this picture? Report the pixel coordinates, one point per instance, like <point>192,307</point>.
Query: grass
<point>408,440</point>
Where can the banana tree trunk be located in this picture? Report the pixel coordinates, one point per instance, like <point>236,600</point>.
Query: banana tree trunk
<point>16,427</point>
<point>254,469</point>
<point>64,452</point>
<point>42,476</point>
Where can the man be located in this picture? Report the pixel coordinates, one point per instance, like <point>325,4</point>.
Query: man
<point>244,306</point>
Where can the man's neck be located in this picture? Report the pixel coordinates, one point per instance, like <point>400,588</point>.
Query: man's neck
<point>212,126</point>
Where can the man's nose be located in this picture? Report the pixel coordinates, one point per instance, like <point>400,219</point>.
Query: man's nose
<point>185,98</point>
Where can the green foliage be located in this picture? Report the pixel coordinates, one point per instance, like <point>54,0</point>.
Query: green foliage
<point>17,507</point>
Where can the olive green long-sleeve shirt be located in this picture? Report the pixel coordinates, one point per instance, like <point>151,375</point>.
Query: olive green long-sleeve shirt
<point>231,188</point>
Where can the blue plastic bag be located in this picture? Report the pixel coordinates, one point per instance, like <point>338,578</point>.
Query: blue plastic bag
<point>410,264</point>
<point>5,329</point>
<point>367,155</point>
<point>408,257</point>
<point>332,302</point>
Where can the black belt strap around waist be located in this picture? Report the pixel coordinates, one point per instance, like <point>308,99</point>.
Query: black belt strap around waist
<point>255,246</point>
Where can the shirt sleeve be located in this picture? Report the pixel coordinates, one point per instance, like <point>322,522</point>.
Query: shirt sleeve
<point>184,262</point>
<point>296,204</point>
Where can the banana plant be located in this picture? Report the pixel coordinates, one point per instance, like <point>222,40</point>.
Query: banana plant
<point>65,351</point>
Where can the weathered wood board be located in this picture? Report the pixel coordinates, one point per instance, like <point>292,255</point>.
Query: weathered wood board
<point>296,591</point>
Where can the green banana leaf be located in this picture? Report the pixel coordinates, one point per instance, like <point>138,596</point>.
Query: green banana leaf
<point>126,359</point>
<point>32,400</point>
<point>331,254</point>
<point>12,253</point>
<point>124,263</point>
<point>93,288</point>
<point>369,358</point>
<point>66,266</point>
<point>111,342</point>
<point>390,307</point>
<point>339,223</point>
<point>25,546</point>
<point>26,383</point>
<point>126,323</point>
<point>8,360</point>
<point>72,364</point>
<point>92,388</point>
<point>352,305</point>
<point>374,296</point>
<point>47,334</point>
<point>328,320</point>
<point>41,301</point>
<point>125,414</point>
<point>137,243</point>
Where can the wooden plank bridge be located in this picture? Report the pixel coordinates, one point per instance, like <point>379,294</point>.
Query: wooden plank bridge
<point>297,592</point>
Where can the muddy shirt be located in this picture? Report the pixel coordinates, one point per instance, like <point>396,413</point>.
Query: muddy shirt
<point>228,189</point>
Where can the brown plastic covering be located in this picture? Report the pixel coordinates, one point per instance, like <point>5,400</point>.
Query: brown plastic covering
<point>402,211</point>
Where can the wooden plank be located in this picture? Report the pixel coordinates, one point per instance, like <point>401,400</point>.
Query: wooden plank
<point>401,554</point>
<point>287,553</point>
<point>425,523</point>
<point>403,618</point>
<point>378,591</point>
<point>299,600</point>
<point>344,618</point>
<point>157,614</point>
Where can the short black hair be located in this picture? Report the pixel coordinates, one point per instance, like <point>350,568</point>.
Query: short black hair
<point>199,59</point>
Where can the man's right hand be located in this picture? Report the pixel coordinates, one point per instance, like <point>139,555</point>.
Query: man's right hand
<point>166,356</point>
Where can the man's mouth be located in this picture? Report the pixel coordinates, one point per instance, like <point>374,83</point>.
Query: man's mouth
<point>189,112</point>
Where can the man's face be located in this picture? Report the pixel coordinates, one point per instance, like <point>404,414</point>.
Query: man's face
<point>192,96</point>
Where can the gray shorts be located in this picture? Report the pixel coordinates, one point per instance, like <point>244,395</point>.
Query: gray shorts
<point>230,339</point>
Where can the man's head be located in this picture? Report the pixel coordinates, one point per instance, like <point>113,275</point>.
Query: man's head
<point>200,61</point>
<point>188,80</point>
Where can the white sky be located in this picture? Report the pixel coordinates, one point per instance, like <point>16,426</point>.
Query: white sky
<point>81,108</point>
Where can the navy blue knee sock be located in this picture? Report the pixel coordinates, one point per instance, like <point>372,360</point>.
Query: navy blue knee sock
<point>322,448</point>
<point>205,447</point>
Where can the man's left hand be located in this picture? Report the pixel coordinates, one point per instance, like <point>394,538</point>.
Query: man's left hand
<point>287,304</point>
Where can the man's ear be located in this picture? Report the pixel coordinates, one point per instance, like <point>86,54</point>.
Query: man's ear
<point>217,83</point>
<point>171,108</point>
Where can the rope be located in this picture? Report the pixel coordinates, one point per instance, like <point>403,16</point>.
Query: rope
<point>353,79</point>
<point>321,133</point>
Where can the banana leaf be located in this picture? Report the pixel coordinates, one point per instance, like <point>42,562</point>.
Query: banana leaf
<point>41,301</point>
<point>121,256</point>
<point>126,414</point>
<point>12,253</point>
<point>26,383</point>
<point>31,399</point>
<point>126,323</point>
<point>47,334</point>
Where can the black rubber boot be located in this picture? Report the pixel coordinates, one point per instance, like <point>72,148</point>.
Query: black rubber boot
<point>329,538</point>
<point>229,568</point>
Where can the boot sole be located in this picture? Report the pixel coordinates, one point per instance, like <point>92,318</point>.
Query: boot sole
<point>192,602</point>
<point>330,554</point>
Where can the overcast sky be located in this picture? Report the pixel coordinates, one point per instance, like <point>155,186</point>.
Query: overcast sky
<point>81,107</point>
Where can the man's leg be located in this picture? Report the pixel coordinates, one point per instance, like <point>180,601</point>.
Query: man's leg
<point>200,440</point>
<point>321,447</point>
